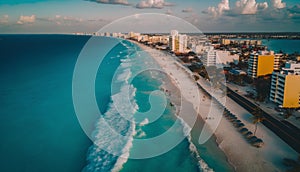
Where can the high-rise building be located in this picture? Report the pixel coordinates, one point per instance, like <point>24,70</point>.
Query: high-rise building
<point>107,34</point>
<point>261,64</point>
<point>285,90</point>
<point>210,57</point>
<point>277,58</point>
<point>292,67</point>
<point>174,33</point>
<point>225,41</point>
<point>182,41</point>
<point>177,42</point>
<point>225,57</point>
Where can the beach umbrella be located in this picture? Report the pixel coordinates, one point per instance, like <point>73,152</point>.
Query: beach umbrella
<point>249,134</point>
<point>253,139</point>
<point>232,117</point>
<point>226,114</point>
<point>258,143</point>
<point>240,125</point>
<point>237,121</point>
<point>229,115</point>
<point>244,130</point>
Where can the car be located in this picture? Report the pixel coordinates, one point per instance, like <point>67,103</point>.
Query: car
<point>278,109</point>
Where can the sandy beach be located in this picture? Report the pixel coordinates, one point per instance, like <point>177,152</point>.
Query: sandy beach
<point>239,152</point>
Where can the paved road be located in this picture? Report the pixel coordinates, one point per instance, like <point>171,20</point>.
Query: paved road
<point>283,129</point>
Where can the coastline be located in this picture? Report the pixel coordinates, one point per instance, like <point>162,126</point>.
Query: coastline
<point>182,78</point>
<point>240,154</point>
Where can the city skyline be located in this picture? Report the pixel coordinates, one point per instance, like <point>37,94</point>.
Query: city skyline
<point>51,16</point>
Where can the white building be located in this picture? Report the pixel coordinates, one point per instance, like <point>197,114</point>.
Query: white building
<point>218,58</point>
<point>210,57</point>
<point>182,43</point>
<point>107,34</point>
<point>224,57</point>
<point>177,42</point>
<point>285,90</point>
<point>174,33</point>
<point>292,67</point>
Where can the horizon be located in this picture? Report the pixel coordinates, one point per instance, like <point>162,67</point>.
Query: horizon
<point>44,16</point>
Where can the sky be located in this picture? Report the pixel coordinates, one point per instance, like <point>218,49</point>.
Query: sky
<point>68,16</point>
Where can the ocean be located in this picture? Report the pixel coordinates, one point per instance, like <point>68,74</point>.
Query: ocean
<point>285,45</point>
<point>39,129</point>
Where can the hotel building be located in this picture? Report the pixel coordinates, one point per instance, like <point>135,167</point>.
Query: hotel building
<point>262,64</point>
<point>210,57</point>
<point>177,42</point>
<point>285,90</point>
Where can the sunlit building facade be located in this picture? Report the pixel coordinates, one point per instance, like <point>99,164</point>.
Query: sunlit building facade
<point>262,64</point>
<point>285,90</point>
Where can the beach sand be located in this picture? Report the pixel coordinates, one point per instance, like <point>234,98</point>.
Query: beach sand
<point>239,152</point>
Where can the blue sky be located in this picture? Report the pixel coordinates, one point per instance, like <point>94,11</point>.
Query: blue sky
<point>56,16</point>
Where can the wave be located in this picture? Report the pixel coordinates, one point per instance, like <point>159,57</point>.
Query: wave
<point>125,152</point>
<point>203,166</point>
<point>140,133</point>
<point>144,122</point>
<point>110,151</point>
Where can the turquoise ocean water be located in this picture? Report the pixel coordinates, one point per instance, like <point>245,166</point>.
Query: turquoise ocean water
<point>285,45</point>
<point>39,128</point>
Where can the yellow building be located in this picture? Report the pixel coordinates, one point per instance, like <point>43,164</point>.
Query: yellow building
<point>178,43</point>
<point>265,65</point>
<point>285,90</point>
<point>291,91</point>
<point>260,65</point>
<point>225,41</point>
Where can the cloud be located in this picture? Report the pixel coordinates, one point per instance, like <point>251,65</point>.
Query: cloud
<point>4,19</point>
<point>218,11</point>
<point>187,10</point>
<point>294,12</point>
<point>262,6</point>
<point>26,19</point>
<point>278,4</point>
<point>242,7</point>
<point>118,2</point>
<point>193,18</point>
<point>62,20</point>
<point>249,6</point>
<point>159,4</point>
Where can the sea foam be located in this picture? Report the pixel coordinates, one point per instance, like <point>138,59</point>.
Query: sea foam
<point>203,166</point>
<point>114,131</point>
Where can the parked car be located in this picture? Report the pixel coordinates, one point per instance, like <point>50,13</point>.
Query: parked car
<point>278,109</point>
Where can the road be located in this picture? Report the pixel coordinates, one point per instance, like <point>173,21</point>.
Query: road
<point>283,129</point>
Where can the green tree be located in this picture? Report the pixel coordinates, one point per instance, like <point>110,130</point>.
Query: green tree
<point>288,113</point>
<point>257,118</point>
<point>263,85</point>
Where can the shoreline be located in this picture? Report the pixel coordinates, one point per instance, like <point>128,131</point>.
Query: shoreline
<point>173,87</point>
<point>227,137</point>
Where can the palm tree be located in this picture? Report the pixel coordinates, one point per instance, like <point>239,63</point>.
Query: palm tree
<point>257,117</point>
<point>288,113</point>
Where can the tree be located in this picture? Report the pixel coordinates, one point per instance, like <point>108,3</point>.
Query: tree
<point>196,77</point>
<point>288,113</point>
<point>257,118</point>
<point>263,85</point>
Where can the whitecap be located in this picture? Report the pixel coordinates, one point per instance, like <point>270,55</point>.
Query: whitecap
<point>144,122</point>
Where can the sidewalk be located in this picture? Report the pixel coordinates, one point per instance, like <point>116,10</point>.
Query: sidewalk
<point>268,107</point>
